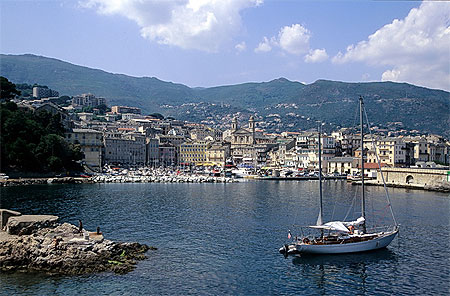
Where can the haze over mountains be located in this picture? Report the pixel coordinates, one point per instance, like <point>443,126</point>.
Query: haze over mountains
<point>298,105</point>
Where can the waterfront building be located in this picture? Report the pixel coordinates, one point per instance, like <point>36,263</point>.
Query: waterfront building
<point>192,153</point>
<point>342,165</point>
<point>217,153</point>
<point>370,169</point>
<point>167,154</point>
<point>152,152</point>
<point>286,153</point>
<point>308,150</point>
<point>91,143</point>
<point>127,149</point>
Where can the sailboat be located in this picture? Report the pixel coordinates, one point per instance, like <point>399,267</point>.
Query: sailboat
<point>339,237</point>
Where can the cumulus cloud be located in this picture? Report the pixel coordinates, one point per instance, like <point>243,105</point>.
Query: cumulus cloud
<point>416,47</point>
<point>241,46</point>
<point>189,24</point>
<point>294,39</point>
<point>264,46</point>
<point>316,56</point>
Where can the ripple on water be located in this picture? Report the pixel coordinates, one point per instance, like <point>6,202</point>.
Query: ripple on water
<point>216,239</point>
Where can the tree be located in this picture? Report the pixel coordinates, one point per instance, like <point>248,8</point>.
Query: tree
<point>8,89</point>
<point>157,116</point>
<point>103,109</point>
<point>34,142</point>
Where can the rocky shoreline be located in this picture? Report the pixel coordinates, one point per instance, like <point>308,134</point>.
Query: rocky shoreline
<point>44,245</point>
<point>117,179</point>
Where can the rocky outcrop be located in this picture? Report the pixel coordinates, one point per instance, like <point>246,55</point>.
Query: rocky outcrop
<point>40,181</point>
<point>61,249</point>
<point>27,224</point>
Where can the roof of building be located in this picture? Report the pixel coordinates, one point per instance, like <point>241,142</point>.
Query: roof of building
<point>371,165</point>
<point>85,130</point>
<point>342,159</point>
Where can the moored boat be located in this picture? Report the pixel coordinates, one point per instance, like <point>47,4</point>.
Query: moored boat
<point>339,237</point>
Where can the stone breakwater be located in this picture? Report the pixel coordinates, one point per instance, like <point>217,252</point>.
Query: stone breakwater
<point>60,249</point>
<point>160,179</point>
<point>119,179</point>
<point>37,181</point>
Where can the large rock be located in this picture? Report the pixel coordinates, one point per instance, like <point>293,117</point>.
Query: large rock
<point>27,224</point>
<point>5,215</point>
<point>62,250</point>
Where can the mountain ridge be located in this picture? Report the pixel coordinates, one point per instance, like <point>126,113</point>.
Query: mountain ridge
<point>415,107</point>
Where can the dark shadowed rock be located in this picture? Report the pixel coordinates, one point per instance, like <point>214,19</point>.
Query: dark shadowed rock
<point>60,249</point>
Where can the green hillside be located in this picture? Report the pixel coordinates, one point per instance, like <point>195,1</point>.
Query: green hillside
<point>333,102</point>
<point>71,80</point>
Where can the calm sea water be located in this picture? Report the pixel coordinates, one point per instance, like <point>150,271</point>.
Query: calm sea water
<point>222,239</point>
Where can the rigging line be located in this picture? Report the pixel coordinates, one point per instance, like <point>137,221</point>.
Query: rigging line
<point>352,205</point>
<point>355,118</point>
<point>379,166</point>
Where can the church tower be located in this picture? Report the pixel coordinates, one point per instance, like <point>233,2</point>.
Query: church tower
<point>251,127</point>
<point>234,125</point>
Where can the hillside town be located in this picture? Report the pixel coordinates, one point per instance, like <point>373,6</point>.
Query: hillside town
<point>123,137</point>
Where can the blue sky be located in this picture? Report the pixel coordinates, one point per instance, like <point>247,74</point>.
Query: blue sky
<point>218,42</point>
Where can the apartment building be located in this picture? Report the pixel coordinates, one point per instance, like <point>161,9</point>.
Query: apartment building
<point>91,142</point>
<point>342,165</point>
<point>391,151</point>
<point>217,153</point>
<point>87,100</point>
<point>125,149</point>
<point>125,109</point>
<point>44,92</point>
<point>192,152</point>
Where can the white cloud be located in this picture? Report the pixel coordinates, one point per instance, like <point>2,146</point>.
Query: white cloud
<point>316,56</point>
<point>264,46</point>
<point>189,24</point>
<point>294,39</point>
<point>241,46</point>
<point>416,47</point>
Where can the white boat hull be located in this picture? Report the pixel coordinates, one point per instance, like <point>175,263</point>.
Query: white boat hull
<point>373,244</point>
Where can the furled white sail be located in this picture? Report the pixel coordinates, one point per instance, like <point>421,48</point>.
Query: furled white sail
<point>334,225</point>
<point>358,222</point>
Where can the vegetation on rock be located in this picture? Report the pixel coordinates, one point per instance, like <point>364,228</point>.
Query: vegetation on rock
<point>33,142</point>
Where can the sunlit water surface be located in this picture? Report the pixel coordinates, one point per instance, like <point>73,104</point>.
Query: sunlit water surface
<point>218,239</point>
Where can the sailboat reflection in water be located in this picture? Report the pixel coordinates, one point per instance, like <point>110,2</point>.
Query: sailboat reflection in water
<point>345,274</point>
<point>339,237</point>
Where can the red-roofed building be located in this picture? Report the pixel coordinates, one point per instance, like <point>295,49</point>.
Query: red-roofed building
<point>371,169</point>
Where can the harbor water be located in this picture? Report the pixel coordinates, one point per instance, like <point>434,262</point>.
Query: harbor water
<point>223,239</point>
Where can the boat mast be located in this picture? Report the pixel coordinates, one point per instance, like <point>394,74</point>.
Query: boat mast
<point>363,203</point>
<point>320,218</point>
